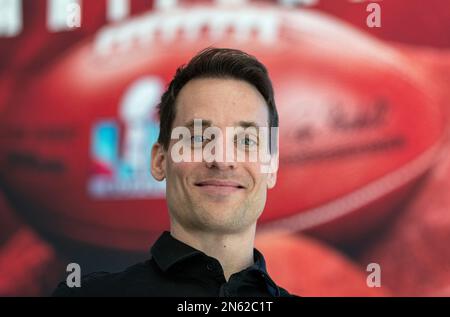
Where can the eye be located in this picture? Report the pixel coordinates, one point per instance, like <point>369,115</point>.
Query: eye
<point>198,140</point>
<point>247,142</point>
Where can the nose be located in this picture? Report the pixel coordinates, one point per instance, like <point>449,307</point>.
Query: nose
<point>217,158</point>
<point>221,165</point>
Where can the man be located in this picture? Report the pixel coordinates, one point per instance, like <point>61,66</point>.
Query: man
<point>213,203</point>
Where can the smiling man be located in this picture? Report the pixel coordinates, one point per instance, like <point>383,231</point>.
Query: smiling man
<point>214,202</point>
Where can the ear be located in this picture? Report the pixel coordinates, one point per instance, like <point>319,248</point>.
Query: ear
<point>158,163</point>
<point>271,180</point>
<point>272,175</point>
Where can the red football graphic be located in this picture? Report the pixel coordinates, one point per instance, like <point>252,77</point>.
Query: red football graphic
<point>314,269</point>
<point>28,265</point>
<point>9,221</point>
<point>413,253</point>
<point>358,125</point>
<point>437,63</point>
<point>39,41</point>
<point>33,46</point>
<point>42,37</point>
<point>406,21</point>
<point>6,85</point>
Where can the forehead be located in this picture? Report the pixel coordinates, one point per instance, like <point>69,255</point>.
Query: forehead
<point>222,101</point>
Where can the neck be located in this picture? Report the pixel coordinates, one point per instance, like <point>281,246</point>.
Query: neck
<point>234,251</point>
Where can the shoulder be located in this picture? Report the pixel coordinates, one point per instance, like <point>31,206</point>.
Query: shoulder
<point>104,283</point>
<point>285,293</point>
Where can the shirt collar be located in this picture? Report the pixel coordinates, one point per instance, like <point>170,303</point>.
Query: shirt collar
<point>260,266</point>
<point>168,251</point>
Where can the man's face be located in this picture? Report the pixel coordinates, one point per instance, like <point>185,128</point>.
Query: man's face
<point>218,196</point>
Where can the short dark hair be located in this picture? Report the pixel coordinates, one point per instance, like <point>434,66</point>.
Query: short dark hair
<point>215,63</point>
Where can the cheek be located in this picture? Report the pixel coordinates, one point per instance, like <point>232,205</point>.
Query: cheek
<point>180,172</point>
<point>176,188</point>
<point>259,180</point>
<point>173,173</point>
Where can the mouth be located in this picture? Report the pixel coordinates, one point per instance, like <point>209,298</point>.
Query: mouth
<point>219,187</point>
<point>219,183</point>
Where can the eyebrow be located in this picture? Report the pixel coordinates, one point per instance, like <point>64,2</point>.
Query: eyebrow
<point>208,123</point>
<point>190,124</point>
<point>247,124</point>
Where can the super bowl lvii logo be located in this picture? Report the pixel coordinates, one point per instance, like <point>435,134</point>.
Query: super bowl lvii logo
<point>121,147</point>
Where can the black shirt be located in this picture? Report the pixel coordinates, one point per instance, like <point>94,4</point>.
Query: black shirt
<point>177,269</point>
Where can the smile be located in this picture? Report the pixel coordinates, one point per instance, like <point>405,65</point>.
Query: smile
<point>219,187</point>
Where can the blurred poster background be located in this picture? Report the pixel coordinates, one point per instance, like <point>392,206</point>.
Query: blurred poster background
<point>362,204</point>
